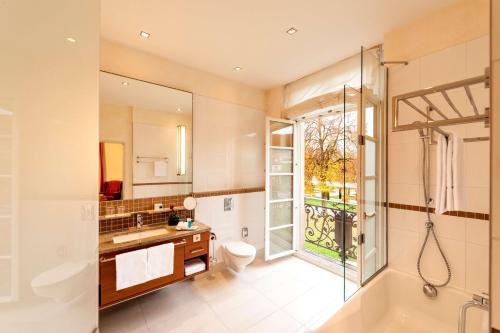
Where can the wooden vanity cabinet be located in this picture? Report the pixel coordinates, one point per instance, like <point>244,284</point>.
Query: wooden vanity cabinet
<point>107,276</point>
<point>186,248</point>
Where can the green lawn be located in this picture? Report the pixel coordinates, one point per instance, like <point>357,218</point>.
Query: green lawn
<point>330,204</point>
<point>321,251</point>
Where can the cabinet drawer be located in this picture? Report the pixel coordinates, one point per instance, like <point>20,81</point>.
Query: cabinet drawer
<point>196,249</point>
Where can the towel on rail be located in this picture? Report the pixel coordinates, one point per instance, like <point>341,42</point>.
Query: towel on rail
<point>458,172</point>
<point>131,268</point>
<point>440,199</point>
<point>449,174</point>
<point>160,260</point>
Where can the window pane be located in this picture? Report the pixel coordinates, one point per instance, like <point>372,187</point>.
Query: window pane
<point>370,195</point>
<point>370,158</point>
<point>281,134</point>
<point>281,213</point>
<point>280,161</point>
<point>281,187</point>
<point>370,120</point>
<point>280,240</point>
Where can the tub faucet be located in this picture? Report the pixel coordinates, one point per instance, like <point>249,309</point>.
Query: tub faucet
<point>139,221</point>
<point>479,302</point>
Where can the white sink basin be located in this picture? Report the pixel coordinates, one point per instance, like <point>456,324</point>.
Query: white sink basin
<point>139,235</point>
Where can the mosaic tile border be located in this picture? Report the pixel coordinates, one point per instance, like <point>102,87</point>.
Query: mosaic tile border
<point>228,192</point>
<point>471,215</point>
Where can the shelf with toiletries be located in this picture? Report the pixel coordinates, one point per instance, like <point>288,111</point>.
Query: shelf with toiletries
<point>114,216</point>
<point>165,210</point>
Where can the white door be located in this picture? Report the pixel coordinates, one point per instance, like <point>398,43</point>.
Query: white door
<point>281,190</point>
<point>371,214</point>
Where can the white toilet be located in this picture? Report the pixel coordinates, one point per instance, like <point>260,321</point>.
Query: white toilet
<point>237,255</point>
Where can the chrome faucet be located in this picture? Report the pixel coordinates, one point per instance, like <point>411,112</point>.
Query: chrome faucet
<point>139,221</point>
<point>479,302</point>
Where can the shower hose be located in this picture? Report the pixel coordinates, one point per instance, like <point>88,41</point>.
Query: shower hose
<point>429,225</point>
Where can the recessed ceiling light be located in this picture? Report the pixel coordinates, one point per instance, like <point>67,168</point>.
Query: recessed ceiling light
<point>291,31</point>
<point>144,34</point>
<point>124,83</point>
<point>71,39</point>
<point>237,68</point>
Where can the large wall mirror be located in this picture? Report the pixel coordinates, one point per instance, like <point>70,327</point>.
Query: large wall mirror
<point>145,136</point>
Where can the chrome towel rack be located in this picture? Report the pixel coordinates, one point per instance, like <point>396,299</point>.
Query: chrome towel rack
<point>434,116</point>
<point>149,159</point>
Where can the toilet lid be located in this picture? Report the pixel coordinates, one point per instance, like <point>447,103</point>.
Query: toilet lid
<point>240,249</point>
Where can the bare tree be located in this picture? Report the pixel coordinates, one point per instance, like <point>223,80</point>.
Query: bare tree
<point>329,145</point>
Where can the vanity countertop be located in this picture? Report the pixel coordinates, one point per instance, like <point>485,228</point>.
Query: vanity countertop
<point>106,244</point>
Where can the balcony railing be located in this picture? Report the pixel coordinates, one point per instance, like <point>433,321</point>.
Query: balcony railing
<point>325,224</point>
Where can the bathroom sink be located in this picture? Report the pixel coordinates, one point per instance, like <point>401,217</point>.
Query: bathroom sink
<point>139,235</point>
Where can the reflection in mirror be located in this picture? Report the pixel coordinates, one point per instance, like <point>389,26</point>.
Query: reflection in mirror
<point>153,125</point>
<point>111,170</point>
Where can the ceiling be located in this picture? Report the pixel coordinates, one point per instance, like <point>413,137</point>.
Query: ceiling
<point>216,36</point>
<point>143,95</point>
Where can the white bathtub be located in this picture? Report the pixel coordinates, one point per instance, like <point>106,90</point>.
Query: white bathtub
<point>394,303</point>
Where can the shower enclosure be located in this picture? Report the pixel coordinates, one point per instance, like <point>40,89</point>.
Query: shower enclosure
<point>325,176</point>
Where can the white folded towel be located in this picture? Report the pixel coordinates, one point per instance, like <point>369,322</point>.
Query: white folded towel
<point>440,199</point>
<point>160,261</point>
<point>131,268</point>
<point>449,174</point>
<point>160,168</point>
<point>194,266</point>
<point>458,173</point>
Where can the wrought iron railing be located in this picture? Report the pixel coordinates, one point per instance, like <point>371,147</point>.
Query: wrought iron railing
<point>331,226</point>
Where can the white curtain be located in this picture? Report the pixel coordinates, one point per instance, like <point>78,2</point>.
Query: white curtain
<point>332,79</point>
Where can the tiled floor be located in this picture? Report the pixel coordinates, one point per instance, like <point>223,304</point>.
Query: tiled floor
<point>287,295</point>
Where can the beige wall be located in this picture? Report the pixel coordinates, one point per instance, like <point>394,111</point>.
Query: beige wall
<point>495,166</point>
<point>275,101</point>
<point>453,24</point>
<point>122,60</point>
<point>49,89</point>
<point>115,125</point>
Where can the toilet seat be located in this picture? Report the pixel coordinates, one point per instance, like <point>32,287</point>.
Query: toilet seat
<point>240,249</point>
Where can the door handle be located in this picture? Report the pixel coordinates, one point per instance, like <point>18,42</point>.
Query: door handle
<point>371,214</point>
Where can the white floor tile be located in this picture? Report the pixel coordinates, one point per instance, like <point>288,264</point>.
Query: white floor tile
<point>191,321</point>
<point>277,322</point>
<point>287,291</point>
<point>122,318</point>
<point>246,315</point>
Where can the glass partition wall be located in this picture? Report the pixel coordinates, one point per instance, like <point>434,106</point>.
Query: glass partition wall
<point>333,158</point>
